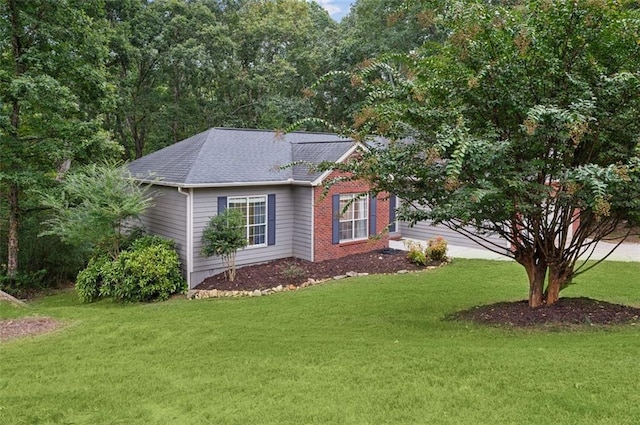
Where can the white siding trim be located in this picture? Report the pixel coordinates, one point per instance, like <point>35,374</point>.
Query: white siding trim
<point>288,182</point>
<point>189,218</point>
<point>313,224</point>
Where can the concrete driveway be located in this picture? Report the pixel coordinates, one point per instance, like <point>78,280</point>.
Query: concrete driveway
<point>624,252</point>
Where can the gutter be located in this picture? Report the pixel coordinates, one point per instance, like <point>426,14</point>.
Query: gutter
<point>189,241</point>
<point>180,186</point>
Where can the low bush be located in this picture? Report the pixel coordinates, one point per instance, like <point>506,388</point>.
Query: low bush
<point>437,249</point>
<point>149,270</point>
<point>417,254</point>
<point>23,284</point>
<point>97,279</point>
<point>292,272</point>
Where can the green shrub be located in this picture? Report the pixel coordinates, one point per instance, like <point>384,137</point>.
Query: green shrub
<point>437,249</point>
<point>417,254</point>
<point>149,270</point>
<point>224,235</point>
<point>134,235</point>
<point>292,271</point>
<point>96,280</point>
<point>23,284</point>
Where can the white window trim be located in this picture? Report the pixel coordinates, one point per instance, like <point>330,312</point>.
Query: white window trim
<point>355,197</point>
<point>230,200</point>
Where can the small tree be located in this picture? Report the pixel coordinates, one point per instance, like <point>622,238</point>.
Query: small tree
<point>224,236</point>
<point>94,206</point>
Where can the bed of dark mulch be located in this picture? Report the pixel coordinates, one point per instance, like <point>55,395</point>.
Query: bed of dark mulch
<point>565,312</point>
<point>292,271</point>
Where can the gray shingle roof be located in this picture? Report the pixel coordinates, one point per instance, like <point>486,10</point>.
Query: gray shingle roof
<point>226,156</point>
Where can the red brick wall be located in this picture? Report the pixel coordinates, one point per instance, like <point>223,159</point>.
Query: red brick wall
<point>323,248</point>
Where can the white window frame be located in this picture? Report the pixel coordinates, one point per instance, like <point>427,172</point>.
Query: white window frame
<point>247,214</point>
<point>348,215</point>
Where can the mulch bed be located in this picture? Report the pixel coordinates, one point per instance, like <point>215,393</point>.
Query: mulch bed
<point>26,326</point>
<point>565,312</point>
<point>293,271</point>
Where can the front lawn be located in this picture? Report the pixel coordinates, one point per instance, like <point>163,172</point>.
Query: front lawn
<point>368,350</point>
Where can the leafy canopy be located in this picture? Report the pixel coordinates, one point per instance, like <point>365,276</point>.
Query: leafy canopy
<point>523,123</point>
<point>224,236</point>
<point>94,207</point>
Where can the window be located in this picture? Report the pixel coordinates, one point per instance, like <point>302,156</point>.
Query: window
<point>353,217</point>
<point>254,210</point>
<point>393,222</point>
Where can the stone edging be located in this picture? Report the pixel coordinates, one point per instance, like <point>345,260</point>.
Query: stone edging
<point>198,294</point>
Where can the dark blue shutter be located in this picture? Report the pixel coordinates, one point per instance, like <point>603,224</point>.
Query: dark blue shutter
<point>271,219</point>
<point>335,220</point>
<point>392,212</point>
<point>222,204</point>
<point>373,213</point>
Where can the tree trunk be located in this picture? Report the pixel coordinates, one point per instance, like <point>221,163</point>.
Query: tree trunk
<point>12,299</point>
<point>12,252</point>
<point>536,271</point>
<point>559,278</point>
<point>536,288</point>
<point>13,199</point>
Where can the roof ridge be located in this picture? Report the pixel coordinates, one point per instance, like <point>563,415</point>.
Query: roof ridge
<point>203,142</point>
<point>276,131</point>
<point>323,141</point>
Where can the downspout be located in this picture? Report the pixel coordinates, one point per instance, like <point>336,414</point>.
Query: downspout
<point>313,223</point>
<point>189,241</point>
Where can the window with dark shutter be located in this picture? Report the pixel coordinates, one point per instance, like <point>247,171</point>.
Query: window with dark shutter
<point>351,218</point>
<point>259,217</point>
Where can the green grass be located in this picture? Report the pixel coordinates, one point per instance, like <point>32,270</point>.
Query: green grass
<point>371,350</point>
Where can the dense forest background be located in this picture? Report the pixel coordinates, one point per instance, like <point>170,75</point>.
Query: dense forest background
<point>83,82</point>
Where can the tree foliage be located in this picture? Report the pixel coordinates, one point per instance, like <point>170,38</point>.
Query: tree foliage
<point>52,92</point>
<point>95,208</point>
<point>182,67</point>
<point>148,270</point>
<point>523,123</point>
<point>224,236</point>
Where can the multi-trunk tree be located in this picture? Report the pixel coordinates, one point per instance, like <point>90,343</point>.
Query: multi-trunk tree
<point>523,123</point>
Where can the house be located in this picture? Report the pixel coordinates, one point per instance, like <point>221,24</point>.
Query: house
<point>288,212</point>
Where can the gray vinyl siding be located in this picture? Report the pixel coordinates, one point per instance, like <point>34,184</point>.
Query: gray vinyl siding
<point>424,231</point>
<point>303,223</point>
<point>167,218</point>
<point>205,205</point>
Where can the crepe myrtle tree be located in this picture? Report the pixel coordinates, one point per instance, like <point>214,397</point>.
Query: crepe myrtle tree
<point>523,124</point>
<point>224,235</point>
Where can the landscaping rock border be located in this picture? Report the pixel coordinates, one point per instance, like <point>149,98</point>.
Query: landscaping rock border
<point>198,294</point>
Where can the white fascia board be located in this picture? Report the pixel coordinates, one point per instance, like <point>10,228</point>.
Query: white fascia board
<point>347,154</point>
<point>230,184</point>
